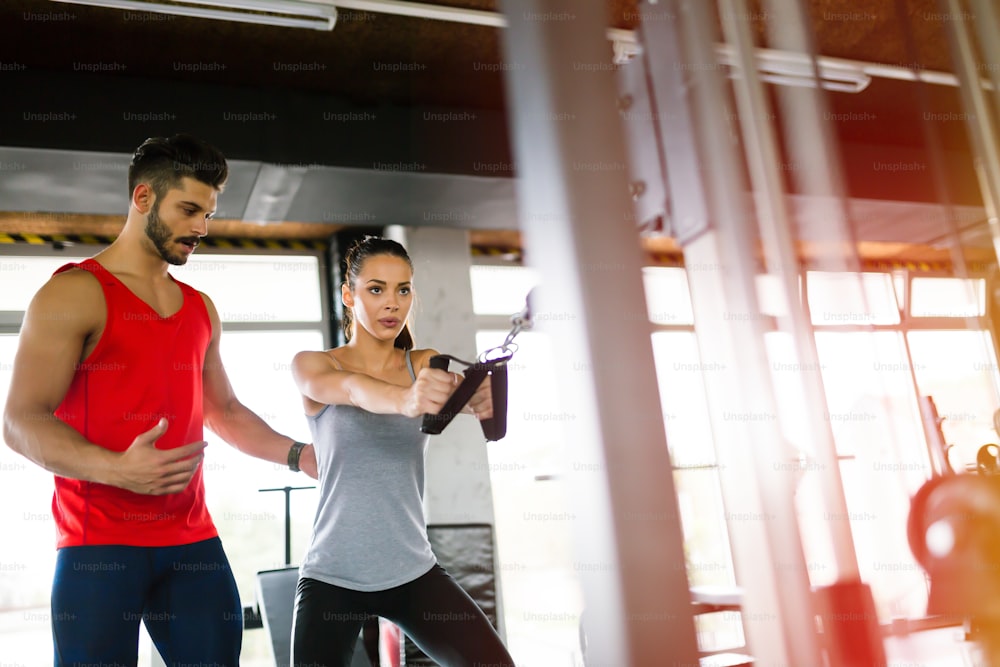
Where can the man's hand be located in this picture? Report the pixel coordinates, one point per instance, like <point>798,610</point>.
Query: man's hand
<point>142,468</point>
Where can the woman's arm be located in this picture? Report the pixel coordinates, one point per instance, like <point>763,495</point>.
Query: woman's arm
<point>319,380</point>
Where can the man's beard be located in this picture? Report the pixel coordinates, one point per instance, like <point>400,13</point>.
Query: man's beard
<point>160,235</point>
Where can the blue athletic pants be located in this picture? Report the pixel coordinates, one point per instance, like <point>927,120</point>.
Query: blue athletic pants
<point>186,596</point>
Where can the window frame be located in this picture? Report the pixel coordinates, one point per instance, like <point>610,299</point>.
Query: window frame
<point>898,277</point>
<point>11,320</point>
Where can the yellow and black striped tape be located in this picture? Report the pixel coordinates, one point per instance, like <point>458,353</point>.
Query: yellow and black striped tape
<point>515,254</point>
<point>508,253</point>
<point>91,239</point>
<point>673,259</point>
<point>884,265</point>
<point>676,259</point>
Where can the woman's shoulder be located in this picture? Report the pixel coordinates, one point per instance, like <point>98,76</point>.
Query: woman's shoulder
<point>317,358</point>
<point>422,358</point>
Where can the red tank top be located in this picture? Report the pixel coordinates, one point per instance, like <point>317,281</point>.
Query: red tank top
<point>143,368</point>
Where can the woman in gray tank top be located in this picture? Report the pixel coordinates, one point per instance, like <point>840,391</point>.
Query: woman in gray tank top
<point>369,554</point>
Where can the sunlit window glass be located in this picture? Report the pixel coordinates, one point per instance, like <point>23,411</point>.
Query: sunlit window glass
<point>500,290</point>
<point>258,288</point>
<point>851,298</point>
<point>947,297</point>
<point>667,296</point>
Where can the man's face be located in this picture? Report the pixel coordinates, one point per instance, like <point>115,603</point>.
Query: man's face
<point>177,222</point>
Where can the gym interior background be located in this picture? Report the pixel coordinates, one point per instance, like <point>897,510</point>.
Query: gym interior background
<point>412,119</point>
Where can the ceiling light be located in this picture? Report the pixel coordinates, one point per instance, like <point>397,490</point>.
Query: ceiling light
<point>284,13</point>
<point>798,69</point>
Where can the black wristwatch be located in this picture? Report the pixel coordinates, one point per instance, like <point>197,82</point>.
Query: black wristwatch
<point>293,456</point>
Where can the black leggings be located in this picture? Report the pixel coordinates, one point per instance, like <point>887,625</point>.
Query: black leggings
<point>432,610</point>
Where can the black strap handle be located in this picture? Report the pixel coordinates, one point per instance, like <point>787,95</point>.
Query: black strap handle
<point>494,428</point>
<point>430,423</point>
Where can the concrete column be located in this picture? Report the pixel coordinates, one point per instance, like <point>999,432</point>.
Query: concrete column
<point>458,478</point>
<point>457,485</point>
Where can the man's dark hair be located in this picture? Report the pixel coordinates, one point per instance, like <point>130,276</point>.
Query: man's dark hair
<point>163,162</point>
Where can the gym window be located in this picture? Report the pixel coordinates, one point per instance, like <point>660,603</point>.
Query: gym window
<point>916,334</point>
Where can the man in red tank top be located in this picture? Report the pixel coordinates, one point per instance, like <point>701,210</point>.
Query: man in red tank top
<point>117,371</point>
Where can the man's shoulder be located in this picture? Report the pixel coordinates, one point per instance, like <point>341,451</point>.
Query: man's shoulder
<point>71,282</point>
<point>71,300</point>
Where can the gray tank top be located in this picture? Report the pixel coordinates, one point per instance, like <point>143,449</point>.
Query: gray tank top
<point>369,533</point>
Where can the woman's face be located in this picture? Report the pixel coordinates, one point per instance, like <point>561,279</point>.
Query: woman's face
<point>382,296</point>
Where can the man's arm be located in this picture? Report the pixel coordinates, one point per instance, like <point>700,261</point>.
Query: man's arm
<point>63,317</point>
<point>236,423</point>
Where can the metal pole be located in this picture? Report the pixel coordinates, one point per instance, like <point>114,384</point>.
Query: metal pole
<point>846,607</point>
<point>982,129</point>
<point>710,214</point>
<point>777,230</point>
<point>577,223</point>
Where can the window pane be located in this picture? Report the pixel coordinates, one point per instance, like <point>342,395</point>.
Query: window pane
<point>707,553</point>
<point>956,368</point>
<point>703,517</point>
<point>786,376</point>
<point>899,284</point>
<point>500,290</point>
<point>873,416</point>
<point>948,297</point>
<point>667,298</point>
<point>21,276</point>
<point>682,398</point>
<point>876,515</point>
<point>852,298</point>
<point>533,512</point>
<point>251,523</point>
<point>771,295</point>
<point>871,405</point>
<point>27,560</point>
<point>257,288</point>
<point>289,284</point>
<point>877,511</point>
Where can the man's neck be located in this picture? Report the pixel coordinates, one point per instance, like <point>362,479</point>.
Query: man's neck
<point>132,253</point>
